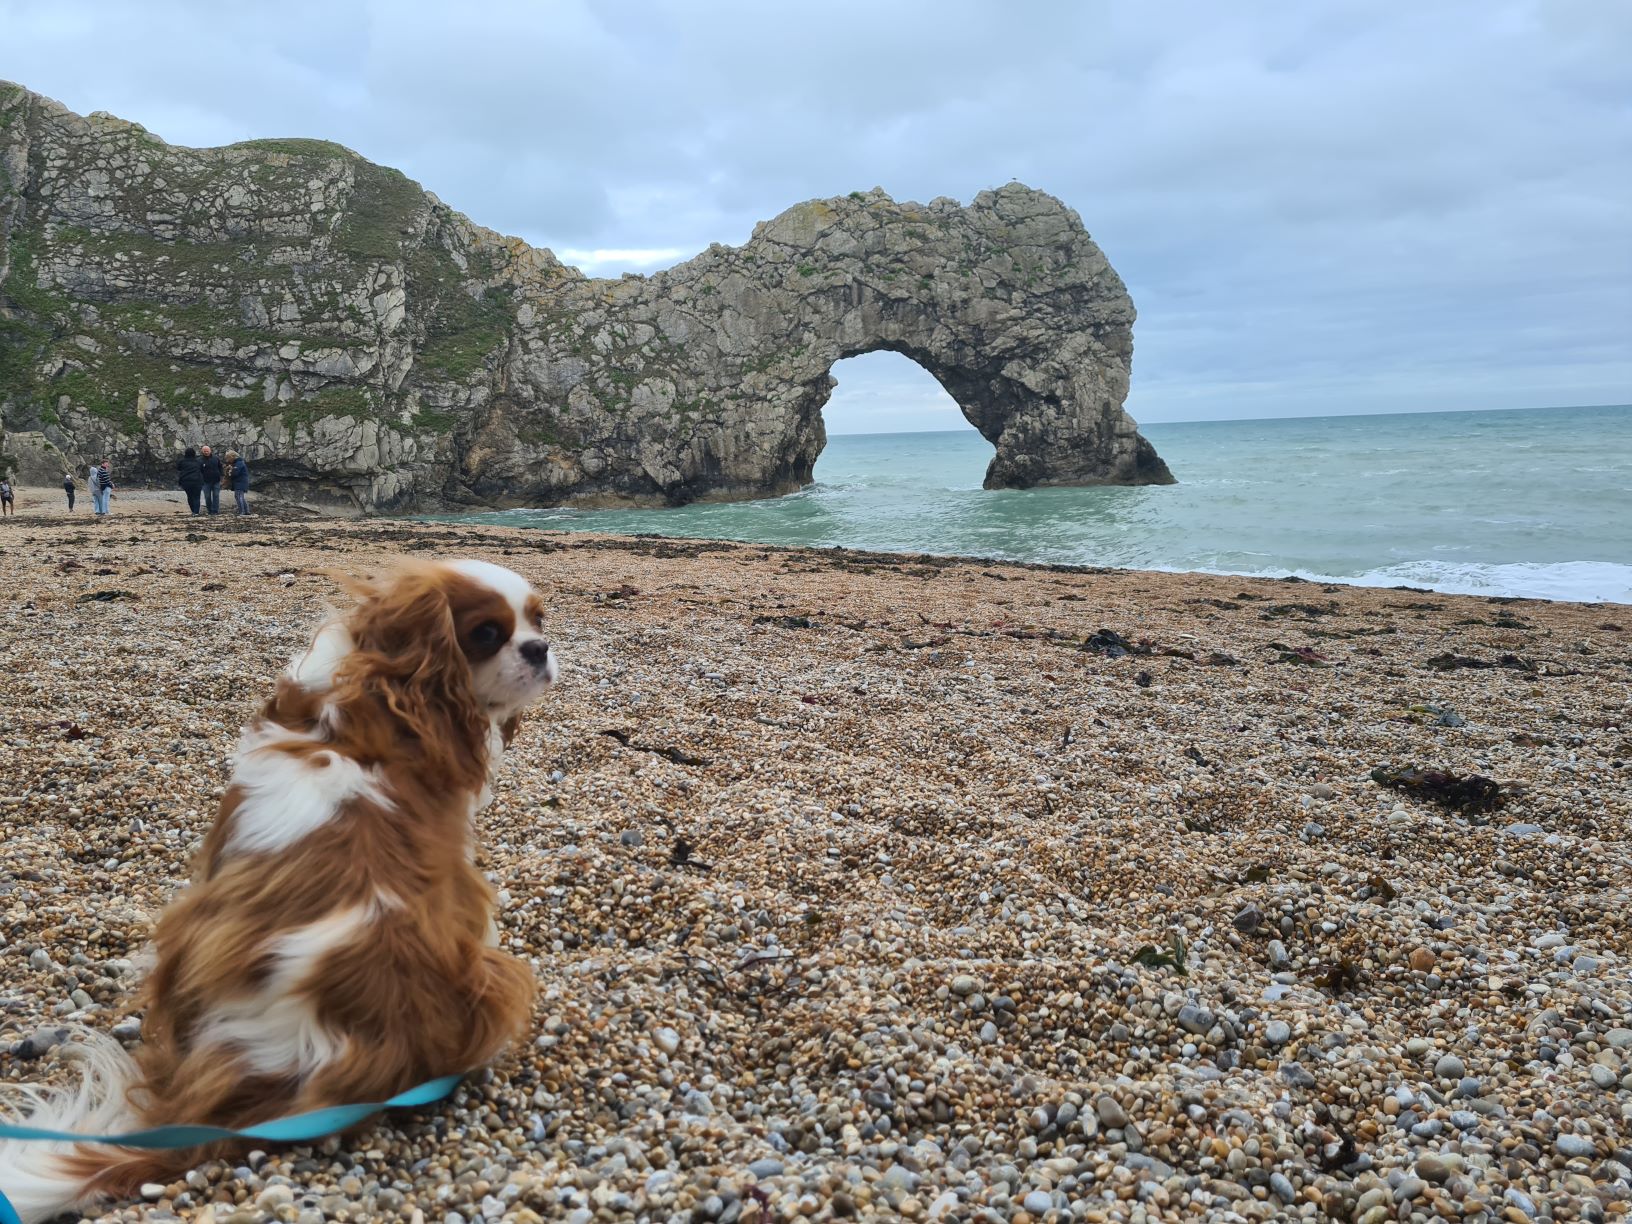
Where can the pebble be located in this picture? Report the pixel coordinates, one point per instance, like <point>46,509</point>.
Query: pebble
<point>274,1197</point>
<point>40,1042</point>
<point>1038,1202</point>
<point>1575,1145</point>
<point>1433,1168</point>
<point>1193,1019</point>
<point>1449,1067</point>
<point>767,1167</point>
<point>1519,1199</point>
<point>667,1040</point>
<point>1110,1112</point>
<point>1277,1032</point>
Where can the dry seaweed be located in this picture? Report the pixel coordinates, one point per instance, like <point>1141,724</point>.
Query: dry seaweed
<point>1459,792</point>
<point>1451,661</point>
<point>1152,957</point>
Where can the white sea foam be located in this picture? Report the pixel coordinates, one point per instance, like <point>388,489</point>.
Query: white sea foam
<point>1574,581</point>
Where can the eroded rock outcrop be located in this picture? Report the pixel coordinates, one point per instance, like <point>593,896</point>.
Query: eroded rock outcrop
<point>364,343</point>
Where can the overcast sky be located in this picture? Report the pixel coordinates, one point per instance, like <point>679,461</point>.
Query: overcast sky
<point>1328,207</point>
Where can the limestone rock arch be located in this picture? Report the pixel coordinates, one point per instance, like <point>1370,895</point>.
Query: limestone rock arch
<point>1008,303</point>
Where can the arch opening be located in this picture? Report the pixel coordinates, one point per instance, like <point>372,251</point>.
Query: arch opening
<point>886,392</point>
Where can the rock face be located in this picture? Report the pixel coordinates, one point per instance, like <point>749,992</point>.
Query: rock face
<point>362,343</point>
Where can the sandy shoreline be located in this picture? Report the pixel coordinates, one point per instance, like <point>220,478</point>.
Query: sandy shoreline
<point>936,831</point>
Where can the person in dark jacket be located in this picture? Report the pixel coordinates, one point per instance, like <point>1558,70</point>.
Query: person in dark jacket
<point>101,488</point>
<point>210,466</point>
<point>238,475</point>
<point>68,487</point>
<point>190,476</point>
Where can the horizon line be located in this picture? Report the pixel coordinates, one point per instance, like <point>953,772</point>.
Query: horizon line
<point>1307,416</point>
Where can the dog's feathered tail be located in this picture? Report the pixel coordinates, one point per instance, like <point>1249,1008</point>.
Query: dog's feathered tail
<point>44,1179</point>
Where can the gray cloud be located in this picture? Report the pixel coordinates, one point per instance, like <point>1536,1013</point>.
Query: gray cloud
<point>1337,207</point>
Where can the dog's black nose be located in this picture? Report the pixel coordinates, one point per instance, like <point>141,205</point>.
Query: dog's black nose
<point>536,652</point>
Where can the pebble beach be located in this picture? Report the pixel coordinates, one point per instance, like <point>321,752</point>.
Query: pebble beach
<point>882,886</point>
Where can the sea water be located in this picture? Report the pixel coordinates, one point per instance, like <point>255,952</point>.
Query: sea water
<point>1529,503</point>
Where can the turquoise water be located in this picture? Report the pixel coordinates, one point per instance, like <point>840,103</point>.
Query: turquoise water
<point>1535,503</point>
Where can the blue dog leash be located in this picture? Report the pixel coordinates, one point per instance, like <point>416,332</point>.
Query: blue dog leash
<point>297,1129</point>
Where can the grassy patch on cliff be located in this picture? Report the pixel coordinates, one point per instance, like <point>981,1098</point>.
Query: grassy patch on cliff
<point>127,252</point>
<point>379,214</point>
<point>297,147</point>
<point>461,330</point>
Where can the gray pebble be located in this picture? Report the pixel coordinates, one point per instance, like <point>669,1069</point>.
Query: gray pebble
<point>1449,1067</point>
<point>1111,1114</point>
<point>1521,1200</point>
<point>1037,1202</point>
<point>39,1042</point>
<point>1282,1187</point>
<point>1297,1076</point>
<point>767,1167</point>
<point>1575,1145</point>
<point>1277,1032</point>
<point>1193,1019</point>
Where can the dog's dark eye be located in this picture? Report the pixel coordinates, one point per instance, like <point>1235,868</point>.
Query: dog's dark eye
<point>486,634</point>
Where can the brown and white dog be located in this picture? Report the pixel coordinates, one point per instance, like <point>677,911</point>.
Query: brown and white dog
<point>337,943</point>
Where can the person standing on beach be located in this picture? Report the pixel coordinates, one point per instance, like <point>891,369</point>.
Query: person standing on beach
<point>6,496</point>
<point>210,468</point>
<point>239,475</point>
<point>68,488</point>
<point>101,488</point>
<point>190,476</point>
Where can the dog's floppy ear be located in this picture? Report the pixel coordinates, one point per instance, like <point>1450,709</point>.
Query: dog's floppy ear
<point>406,655</point>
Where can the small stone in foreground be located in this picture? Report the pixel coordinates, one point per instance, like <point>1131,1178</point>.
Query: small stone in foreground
<point>1575,1145</point>
<point>1449,1067</point>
